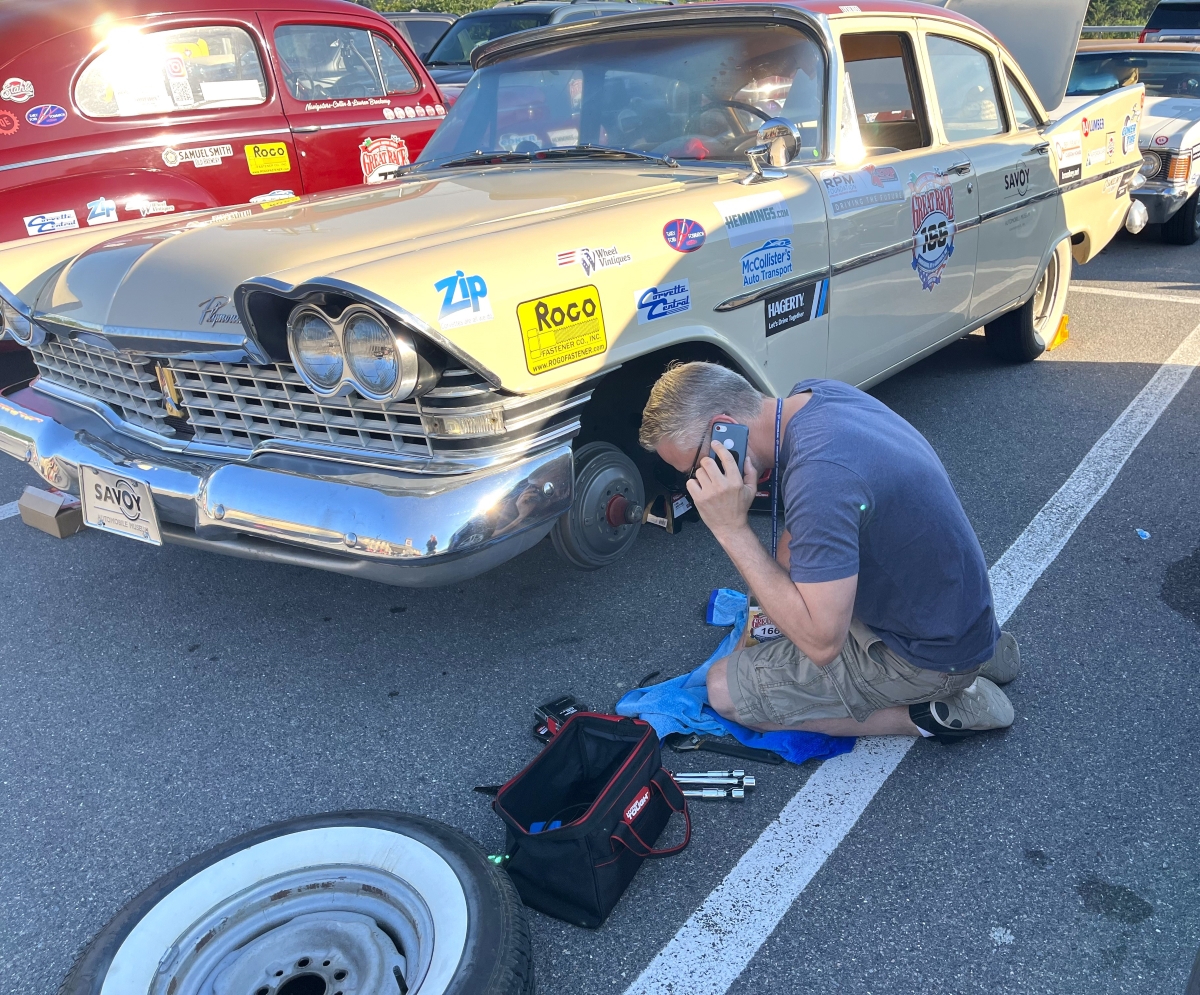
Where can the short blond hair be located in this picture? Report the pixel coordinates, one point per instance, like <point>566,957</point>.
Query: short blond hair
<point>688,396</point>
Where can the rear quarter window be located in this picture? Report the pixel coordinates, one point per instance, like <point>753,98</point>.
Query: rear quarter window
<point>181,69</point>
<point>1174,16</point>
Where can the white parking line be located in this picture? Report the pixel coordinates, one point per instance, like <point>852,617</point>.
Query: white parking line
<point>9,510</point>
<point>1172,298</point>
<point>722,936</point>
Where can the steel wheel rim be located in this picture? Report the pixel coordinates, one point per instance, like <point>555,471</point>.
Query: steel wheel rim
<point>1046,295</point>
<point>602,479</point>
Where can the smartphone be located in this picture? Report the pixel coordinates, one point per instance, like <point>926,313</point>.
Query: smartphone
<point>733,437</point>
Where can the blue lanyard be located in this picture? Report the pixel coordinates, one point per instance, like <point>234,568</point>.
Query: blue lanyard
<point>775,482</point>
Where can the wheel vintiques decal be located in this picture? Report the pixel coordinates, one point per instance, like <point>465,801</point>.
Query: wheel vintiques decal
<point>933,225</point>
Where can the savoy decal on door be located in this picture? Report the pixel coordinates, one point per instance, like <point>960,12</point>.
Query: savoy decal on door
<point>933,226</point>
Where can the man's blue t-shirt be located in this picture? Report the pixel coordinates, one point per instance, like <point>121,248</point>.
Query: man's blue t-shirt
<point>864,493</point>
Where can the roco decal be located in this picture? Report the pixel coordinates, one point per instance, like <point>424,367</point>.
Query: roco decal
<point>381,157</point>
<point>561,328</point>
<point>17,90</point>
<point>464,300</point>
<point>933,226</point>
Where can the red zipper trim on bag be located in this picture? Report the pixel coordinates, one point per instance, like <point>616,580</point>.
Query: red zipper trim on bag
<point>620,771</point>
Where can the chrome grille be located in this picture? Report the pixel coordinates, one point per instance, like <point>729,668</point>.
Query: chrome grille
<point>124,382</point>
<point>243,406</point>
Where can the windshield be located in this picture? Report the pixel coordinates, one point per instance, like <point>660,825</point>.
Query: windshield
<point>1166,74</point>
<point>694,92</point>
<point>472,31</point>
<point>424,33</point>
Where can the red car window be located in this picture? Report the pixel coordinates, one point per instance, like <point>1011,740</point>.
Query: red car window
<point>203,67</point>
<point>333,62</point>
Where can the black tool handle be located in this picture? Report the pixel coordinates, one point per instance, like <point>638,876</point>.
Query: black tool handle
<point>741,752</point>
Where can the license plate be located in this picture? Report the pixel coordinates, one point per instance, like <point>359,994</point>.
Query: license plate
<point>117,504</point>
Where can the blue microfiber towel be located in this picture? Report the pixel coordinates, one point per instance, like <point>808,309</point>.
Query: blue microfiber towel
<point>681,704</point>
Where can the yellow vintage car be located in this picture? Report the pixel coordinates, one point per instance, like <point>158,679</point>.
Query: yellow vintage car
<point>417,380</point>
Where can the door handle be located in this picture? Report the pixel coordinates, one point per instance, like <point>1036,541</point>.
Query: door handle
<point>1041,148</point>
<point>308,129</point>
<point>959,168</point>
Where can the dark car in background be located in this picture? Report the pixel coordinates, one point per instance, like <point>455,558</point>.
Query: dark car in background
<point>1173,20</point>
<point>450,61</point>
<point>422,29</point>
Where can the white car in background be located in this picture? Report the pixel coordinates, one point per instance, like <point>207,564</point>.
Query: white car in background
<point>1170,129</point>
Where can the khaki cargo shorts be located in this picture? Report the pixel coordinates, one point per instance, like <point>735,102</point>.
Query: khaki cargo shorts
<point>774,684</point>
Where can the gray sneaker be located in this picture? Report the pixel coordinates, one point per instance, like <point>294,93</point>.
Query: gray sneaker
<point>1005,664</point>
<point>978,708</point>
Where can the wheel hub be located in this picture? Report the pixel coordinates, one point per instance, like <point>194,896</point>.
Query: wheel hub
<point>334,953</point>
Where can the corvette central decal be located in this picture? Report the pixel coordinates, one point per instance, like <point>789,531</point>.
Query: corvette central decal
<point>44,224</point>
<point>464,301</point>
<point>381,157</point>
<point>933,226</point>
<point>561,328</point>
<point>663,302</point>
<point>758,215</point>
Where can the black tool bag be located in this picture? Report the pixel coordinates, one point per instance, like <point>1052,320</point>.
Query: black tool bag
<point>602,779</point>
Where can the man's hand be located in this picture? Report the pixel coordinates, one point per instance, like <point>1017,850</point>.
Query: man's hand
<point>723,499</point>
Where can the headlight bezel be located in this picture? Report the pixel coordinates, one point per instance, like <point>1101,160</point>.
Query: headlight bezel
<point>11,317</point>
<point>409,368</point>
<point>1150,157</point>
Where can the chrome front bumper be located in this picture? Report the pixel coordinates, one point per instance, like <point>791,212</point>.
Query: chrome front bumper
<point>404,529</point>
<point>1161,201</point>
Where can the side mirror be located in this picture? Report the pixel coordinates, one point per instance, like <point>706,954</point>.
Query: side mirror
<point>783,138</point>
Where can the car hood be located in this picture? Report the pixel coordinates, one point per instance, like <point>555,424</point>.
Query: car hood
<point>1171,122</point>
<point>152,286</point>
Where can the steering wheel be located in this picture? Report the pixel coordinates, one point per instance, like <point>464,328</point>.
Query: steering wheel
<point>735,104</point>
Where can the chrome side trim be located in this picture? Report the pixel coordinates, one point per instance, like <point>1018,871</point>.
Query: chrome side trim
<point>742,300</point>
<point>381,122</point>
<point>1020,204</point>
<point>142,145</point>
<point>855,262</point>
<point>270,285</point>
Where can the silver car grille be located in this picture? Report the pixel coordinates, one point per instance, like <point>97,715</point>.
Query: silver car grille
<point>244,406</point>
<point>130,389</point>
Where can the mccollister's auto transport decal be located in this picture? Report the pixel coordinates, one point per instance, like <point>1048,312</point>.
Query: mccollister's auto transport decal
<point>796,306</point>
<point>208,155</point>
<point>683,235</point>
<point>933,225</point>
<point>267,157</point>
<point>561,328</point>
<point>758,215</point>
<point>769,261</point>
<point>865,187</point>
<point>381,157</point>
<point>464,301</point>
<point>663,301</point>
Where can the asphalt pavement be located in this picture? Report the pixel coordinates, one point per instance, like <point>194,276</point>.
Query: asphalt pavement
<point>159,701</point>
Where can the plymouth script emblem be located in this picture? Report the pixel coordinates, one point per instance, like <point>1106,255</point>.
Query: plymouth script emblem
<point>211,312</point>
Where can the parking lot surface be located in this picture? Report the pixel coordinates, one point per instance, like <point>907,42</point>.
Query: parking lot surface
<point>159,701</point>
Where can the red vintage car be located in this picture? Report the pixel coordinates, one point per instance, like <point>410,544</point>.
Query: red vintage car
<point>116,109</point>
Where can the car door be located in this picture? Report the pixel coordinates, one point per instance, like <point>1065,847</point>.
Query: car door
<point>356,102</point>
<point>1018,213</point>
<point>901,219</point>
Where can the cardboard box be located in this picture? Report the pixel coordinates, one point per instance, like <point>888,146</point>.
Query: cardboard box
<point>54,512</point>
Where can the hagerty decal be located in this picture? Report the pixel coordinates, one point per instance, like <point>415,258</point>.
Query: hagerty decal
<point>561,328</point>
<point>590,260</point>
<point>381,157</point>
<point>769,261</point>
<point>663,302</point>
<point>44,224</point>
<point>795,306</point>
<point>933,226</point>
<point>759,215</point>
<point>464,300</point>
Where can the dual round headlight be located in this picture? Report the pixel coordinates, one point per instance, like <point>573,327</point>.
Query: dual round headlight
<point>358,350</point>
<point>1151,163</point>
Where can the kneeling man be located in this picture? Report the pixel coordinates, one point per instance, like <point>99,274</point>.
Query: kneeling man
<point>879,587</point>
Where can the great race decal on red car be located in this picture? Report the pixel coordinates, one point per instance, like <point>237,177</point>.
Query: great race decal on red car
<point>933,226</point>
<point>381,157</point>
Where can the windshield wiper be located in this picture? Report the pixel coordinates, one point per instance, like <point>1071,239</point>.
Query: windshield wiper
<point>480,158</point>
